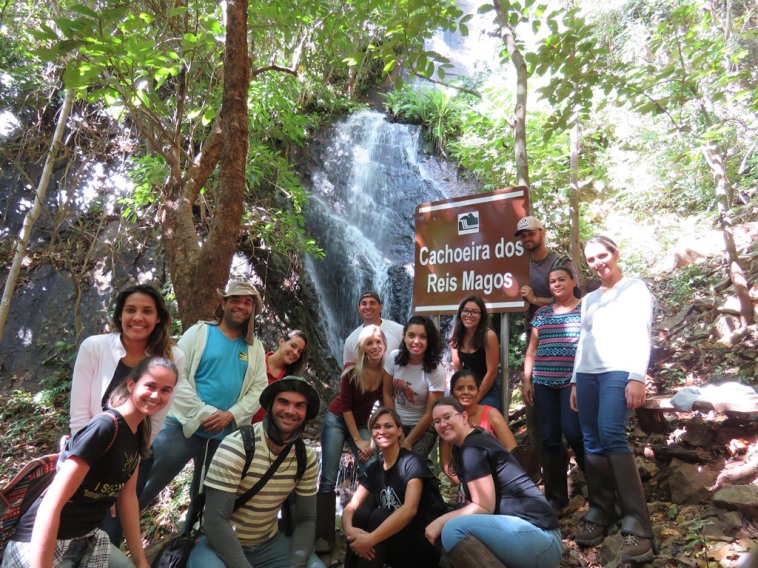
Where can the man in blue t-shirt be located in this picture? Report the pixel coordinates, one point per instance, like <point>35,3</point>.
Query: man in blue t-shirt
<point>224,375</point>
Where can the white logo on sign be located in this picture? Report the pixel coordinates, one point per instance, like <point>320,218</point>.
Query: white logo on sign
<point>468,223</point>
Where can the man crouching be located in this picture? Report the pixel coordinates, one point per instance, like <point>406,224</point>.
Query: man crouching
<point>248,535</point>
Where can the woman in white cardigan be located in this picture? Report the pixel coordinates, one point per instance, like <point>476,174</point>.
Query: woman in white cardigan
<point>142,327</point>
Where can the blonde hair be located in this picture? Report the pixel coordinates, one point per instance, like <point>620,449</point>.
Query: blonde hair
<point>358,369</point>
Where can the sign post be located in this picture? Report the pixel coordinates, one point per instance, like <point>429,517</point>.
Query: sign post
<point>466,245</point>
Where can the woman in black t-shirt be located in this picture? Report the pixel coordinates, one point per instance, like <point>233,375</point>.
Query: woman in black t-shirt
<point>383,522</point>
<point>506,519</point>
<point>97,469</point>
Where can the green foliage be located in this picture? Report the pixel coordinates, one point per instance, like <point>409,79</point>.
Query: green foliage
<point>55,388</point>
<point>435,109</point>
<point>686,284</point>
<point>401,29</point>
<point>695,540</point>
<point>280,225</point>
<point>148,173</point>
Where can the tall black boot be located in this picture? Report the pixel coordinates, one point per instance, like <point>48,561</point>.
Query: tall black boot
<point>325,517</point>
<point>555,478</point>
<point>472,553</point>
<point>635,526</point>
<point>602,498</point>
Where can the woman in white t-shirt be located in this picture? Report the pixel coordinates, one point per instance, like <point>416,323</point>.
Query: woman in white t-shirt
<point>416,379</point>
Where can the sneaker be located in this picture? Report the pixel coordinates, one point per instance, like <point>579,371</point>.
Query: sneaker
<point>636,549</point>
<point>590,534</point>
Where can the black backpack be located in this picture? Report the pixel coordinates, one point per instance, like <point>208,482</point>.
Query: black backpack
<point>176,552</point>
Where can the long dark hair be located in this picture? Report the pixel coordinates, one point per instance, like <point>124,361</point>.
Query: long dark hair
<point>433,353</point>
<point>478,341</point>
<point>121,394</point>
<point>159,342</point>
<point>298,365</point>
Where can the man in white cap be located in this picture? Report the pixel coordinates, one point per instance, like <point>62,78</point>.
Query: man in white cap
<point>224,375</point>
<point>531,232</point>
<point>370,309</point>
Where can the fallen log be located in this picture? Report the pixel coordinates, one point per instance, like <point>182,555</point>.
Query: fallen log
<point>684,454</point>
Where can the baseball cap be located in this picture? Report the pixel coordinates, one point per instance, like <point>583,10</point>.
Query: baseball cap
<point>370,294</point>
<point>528,224</point>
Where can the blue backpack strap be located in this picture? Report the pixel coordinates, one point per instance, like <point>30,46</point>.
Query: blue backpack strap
<point>248,439</point>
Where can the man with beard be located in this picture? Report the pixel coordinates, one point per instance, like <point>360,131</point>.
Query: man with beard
<point>224,375</point>
<point>247,534</point>
<point>531,232</point>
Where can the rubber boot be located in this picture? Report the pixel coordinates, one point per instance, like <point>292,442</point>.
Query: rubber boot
<point>555,478</point>
<point>472,553</point>
<point>325,517</point>
<point>602,497</point>
<point>636,529</point>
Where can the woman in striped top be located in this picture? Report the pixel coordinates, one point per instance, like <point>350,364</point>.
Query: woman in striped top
<point>548,366</point>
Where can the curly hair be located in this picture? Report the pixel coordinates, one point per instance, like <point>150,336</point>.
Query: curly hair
<point>433,353</point>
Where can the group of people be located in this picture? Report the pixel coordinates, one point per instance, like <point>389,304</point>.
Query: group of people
<point>133,389</point>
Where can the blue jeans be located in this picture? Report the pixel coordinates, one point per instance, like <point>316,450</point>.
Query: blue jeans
<point>334,433</point>
<point>516,542</point>
<point>274,553</point>
<point>556,420</point>
<point>172,451</point>
<point>494,396</point>
<point>603,413</point>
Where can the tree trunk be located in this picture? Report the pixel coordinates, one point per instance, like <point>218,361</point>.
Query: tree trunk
<point>198,269</point>
<point>519,116</point>
<point>575,247</point>
<point>34,213</point>
<point>715,161</point>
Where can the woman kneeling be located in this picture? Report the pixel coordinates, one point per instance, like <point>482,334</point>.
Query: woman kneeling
<point>383,522</point>
<point>506,520</point>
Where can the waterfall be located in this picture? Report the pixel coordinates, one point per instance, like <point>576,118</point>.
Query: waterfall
<point>363,200</point>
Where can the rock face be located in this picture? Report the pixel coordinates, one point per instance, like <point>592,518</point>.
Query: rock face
<point>83,252</point>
